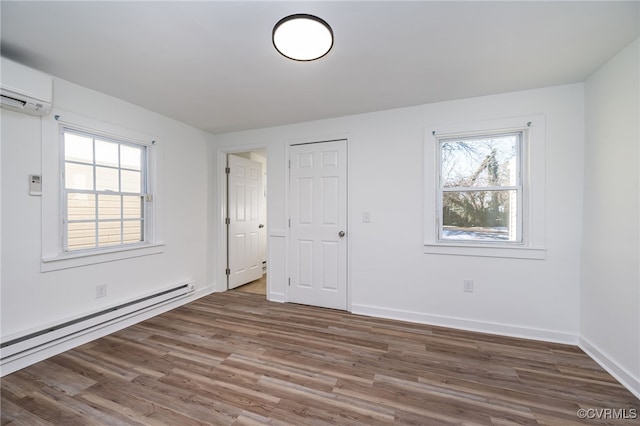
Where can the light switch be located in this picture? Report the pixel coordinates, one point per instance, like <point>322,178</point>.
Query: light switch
<point>35,185</point>
<point>366,217</point>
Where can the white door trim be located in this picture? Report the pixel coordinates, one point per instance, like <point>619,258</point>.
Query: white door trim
<point>219,210</point>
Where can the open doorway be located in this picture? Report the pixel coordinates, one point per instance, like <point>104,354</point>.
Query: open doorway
<point>246,215</point>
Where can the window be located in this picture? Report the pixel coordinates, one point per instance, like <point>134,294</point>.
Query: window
<point>98,179</point>
<point>480,188</point>
<point>484,188</point>
<point>104,191</point>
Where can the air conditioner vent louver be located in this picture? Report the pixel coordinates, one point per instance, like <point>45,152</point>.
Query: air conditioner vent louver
<point>23,104</point>
<point>24,89</point>
<point>14,102</point>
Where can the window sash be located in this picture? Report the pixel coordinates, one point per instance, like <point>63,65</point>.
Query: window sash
<point>518,187</point>
<point>101,241</point>
<point>518,239</point>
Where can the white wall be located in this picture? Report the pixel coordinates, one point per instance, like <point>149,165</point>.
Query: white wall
<point>610,297</point>
<point>389,273</point>
<point>34,300</point>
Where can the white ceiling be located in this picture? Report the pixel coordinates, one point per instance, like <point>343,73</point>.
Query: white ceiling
<point>211,64</point>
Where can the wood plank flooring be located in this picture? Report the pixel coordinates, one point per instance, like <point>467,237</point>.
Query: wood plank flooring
<point>235,359</point>
<point>258,286</point>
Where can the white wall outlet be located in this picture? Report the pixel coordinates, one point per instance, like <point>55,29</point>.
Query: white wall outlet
<point>101,291</point>
<point>468,286</point>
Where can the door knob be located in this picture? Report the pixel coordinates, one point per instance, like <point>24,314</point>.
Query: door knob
<point>261,226</point>
<point>341,234</point>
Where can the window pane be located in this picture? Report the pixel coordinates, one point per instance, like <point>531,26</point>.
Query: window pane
<point>81,235</point>
<point>132,231</point>
<point>130,157</point>
<point>78,148</point>
<point>480,216</point>
<point>109,233</point>
<point>106,153</point>
<point>131,181</point>
<point>132,207</point>
<point>106,179</point>
<point>481,161</point>
<point>78,176</point>
<point>81,206</point>
<point>109,207</point>
<point>98,172</point>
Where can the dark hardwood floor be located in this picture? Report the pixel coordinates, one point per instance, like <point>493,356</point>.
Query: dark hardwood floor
<point>234,358</point>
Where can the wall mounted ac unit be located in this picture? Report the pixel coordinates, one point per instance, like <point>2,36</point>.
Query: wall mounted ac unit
<point>24,89</point>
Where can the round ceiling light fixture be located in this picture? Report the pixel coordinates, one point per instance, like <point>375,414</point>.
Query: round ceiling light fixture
<point>302,37</point>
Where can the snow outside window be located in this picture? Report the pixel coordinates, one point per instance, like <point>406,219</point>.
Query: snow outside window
<point>480,188</point>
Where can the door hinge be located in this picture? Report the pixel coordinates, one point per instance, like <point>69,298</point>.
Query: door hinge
<point>227,221</point>
<point>289,163</point>
<point>289,282</point>
<point>227,170</point>
<point>227,271</point>
<point>289,223</point>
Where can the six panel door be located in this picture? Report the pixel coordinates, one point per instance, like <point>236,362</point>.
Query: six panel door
<point>318,228</point>
<point>244,191</point>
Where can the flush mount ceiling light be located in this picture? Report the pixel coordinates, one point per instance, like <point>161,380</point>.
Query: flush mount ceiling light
<point>302,37</point>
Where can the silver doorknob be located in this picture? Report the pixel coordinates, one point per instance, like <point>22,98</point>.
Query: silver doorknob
<point>341,234</point>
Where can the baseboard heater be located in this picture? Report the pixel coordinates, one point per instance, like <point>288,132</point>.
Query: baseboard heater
<point>40,339</point>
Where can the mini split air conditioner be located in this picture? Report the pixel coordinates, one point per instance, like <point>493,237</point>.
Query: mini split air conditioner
<point>24,89</point>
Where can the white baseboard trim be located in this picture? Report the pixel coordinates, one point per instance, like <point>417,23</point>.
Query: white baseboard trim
<point>277,297</point>
<point>619,373</point>
<point>42,352</point>
<point>468,325</point>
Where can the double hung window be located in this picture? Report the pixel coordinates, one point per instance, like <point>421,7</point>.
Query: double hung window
<point>480,188</point>
<point>485,188</point>
<point>104,190</point>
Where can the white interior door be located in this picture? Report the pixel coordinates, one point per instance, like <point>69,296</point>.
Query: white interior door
<point>244,191</point>
<point>318,229</point>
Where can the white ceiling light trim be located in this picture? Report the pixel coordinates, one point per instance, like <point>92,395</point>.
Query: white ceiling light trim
<point>302,37</point>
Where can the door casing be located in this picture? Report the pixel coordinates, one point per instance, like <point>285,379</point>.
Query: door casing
<point>219,210</point>
<point>218,207</point>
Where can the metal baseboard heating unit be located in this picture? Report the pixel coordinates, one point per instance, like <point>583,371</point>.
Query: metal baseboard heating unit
<point>16,347</point>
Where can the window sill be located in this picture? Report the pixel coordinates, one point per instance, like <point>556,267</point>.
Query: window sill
<point>486,251</point>
<point>74,260</point>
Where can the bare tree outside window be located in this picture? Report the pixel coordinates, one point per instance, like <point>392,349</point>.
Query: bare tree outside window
<point>480,188</point>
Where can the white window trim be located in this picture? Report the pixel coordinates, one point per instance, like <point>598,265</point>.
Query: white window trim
<point>533,194</point>
<point>53,255</point>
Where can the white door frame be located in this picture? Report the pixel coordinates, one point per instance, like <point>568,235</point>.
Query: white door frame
<point>221,176</point>
<point>220,204</point>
